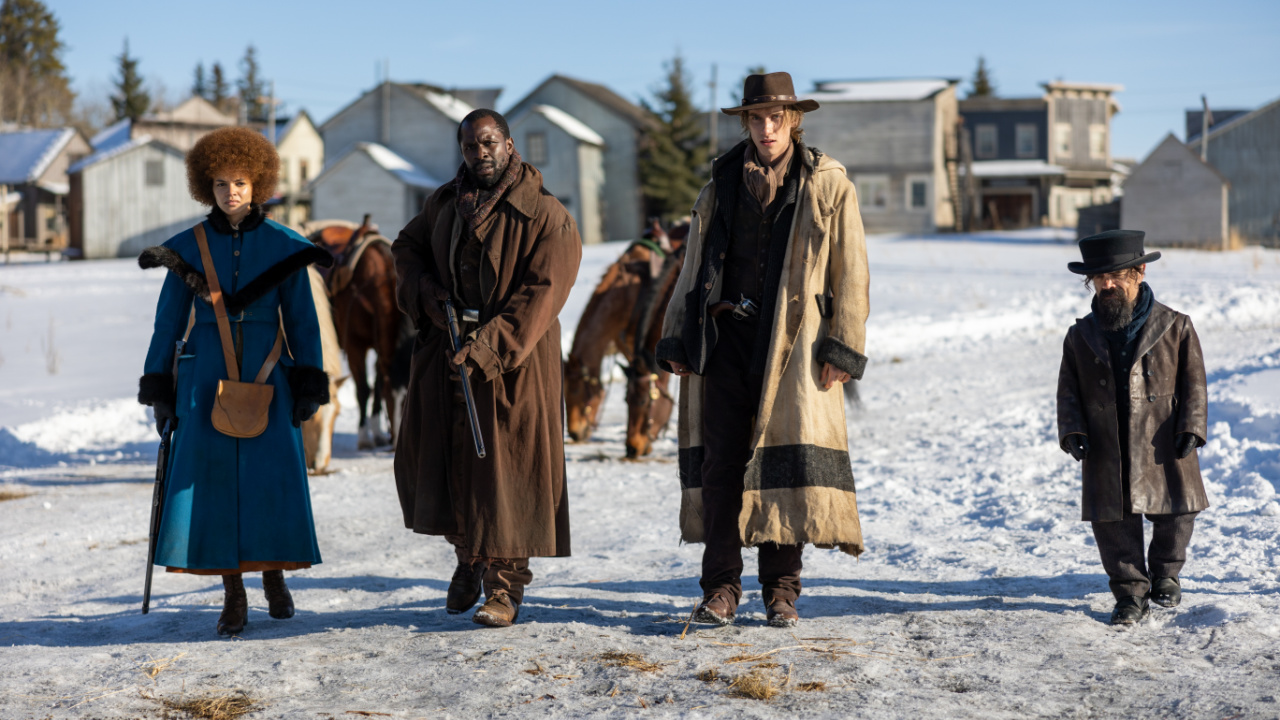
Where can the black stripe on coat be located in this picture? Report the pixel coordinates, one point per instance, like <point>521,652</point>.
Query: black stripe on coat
<point>256,289</point>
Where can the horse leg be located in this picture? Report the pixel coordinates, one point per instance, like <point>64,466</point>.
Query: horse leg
<point>360,375</point>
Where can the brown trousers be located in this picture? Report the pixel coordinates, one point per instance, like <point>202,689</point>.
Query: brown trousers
<point>732,397</point>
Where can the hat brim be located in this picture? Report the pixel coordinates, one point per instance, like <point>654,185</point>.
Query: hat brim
<point>803,105</point>
<point>1080,268</point>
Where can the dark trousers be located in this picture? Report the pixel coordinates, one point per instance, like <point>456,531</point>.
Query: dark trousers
<point>1124,559</point>
<point>732,397</point>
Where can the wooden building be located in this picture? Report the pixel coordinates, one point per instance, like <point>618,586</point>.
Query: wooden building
<point>1177,199</point>
<point>301,151</point>
<point>1245,149</point>
<point>34,185</point>
<point>570,157</point>
<point>128,196</point>
<point>622,125</point>
<point>891,136</point>
<point>370,178</point>
<point>182,126</point>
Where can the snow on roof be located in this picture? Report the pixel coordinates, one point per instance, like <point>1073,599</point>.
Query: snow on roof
<point>570,124</point>
<point>25,155</point>
<point>1015,168</point>
<point>10,199</point>
<point>398,166</point>
<point>878,90</point>
<point>452,107</point>
<point>117,149</point>
<point>112,136</point>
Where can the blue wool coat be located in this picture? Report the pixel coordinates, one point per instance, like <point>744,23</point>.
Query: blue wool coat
<point>229,501</point>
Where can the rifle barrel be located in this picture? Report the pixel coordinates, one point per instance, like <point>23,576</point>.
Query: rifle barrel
<point>455,340</point>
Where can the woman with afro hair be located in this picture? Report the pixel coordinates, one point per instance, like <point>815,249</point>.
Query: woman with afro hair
<point>233,505</point>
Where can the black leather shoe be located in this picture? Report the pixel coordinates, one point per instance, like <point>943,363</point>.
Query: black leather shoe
<point>235,606</point>
<point>1166,592</point>
<point>465,587</point>
<point>279,601</point>
<point>1129,610</point>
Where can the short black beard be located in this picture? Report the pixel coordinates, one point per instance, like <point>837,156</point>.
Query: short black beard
<point>493,179</point>
<point>1114,313</point>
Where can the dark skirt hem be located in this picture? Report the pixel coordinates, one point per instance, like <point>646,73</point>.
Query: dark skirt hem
<point>247,566</point>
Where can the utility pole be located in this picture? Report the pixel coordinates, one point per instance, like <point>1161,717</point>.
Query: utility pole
<point>1206,120</point>
<point>714,130</point>
<point>271,114</point>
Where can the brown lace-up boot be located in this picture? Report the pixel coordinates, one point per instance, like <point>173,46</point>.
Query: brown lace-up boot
<point>504,583</point>
<point>279,601</point>
<point>235,606</point>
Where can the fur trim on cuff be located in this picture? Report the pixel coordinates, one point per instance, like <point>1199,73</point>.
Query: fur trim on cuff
<point>156,387</point>
<point>842,357</point>
<point>309,383</point>
<point>671,349</point>
<point>161,256</point>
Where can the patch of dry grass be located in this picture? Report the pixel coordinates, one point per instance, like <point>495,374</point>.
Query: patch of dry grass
<point>817,686</point>
<point>709,675</point>
<point>226,706</point>
<point>153,668</point>
<point>755,685</point>
<point>14,494</point>
<point>635,661</point>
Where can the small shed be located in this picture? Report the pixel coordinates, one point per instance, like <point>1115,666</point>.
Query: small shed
<point>369,178</point>
<point>128,197</point>
<point>33,186</point>
<point>1177,199</point>
<point>570,156</point>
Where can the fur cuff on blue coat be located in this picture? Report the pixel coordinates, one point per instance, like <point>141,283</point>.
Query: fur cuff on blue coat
<point>309,383</point>
<point>156,387</point>
<point>842,357</point>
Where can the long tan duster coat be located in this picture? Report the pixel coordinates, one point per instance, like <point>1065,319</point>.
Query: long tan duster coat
<point>512,503</point>
<point>1168,395</point>
<point>799,484</point>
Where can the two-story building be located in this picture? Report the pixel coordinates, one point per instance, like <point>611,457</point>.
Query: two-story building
<point>301,151</point>
<point>570,157</point>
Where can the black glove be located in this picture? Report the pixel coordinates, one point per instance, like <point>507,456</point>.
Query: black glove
<point>432,297</point>
<point>303,409</point>
<point>1078,446</point>
<point>1187,443</point>
<point>163,410</point>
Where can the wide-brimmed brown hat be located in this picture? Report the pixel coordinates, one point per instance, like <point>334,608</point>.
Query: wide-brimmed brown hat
<point>771,90</point>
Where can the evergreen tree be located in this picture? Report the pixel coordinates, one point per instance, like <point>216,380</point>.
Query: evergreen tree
<point>200,88</point>
<point>982,85</point>
<point>34,87</point>
<point>219,93</point>
<point>130,99</point>
<point>673,168</point>
<point>251,86</point>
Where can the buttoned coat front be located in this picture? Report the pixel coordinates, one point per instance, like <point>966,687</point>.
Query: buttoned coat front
<point>1167,396</point>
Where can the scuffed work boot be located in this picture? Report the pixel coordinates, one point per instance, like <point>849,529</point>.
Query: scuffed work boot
<point>1130,610</point>
<point>279,601</point>
<point>235,606</point>
<point>498,611</point>
<point>716,609</point>
<point>1166,592</point>
<point>781,613</point>
<point>465,587</point>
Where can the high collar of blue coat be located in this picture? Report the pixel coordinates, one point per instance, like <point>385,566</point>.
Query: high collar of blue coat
<point>222,225</point>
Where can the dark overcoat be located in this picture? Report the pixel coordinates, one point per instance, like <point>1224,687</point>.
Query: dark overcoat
<point>512,503</point>
<point>1167,396</point>
<point>232,501</point>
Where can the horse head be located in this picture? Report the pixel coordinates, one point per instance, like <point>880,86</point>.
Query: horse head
<point>583,395</point>
<point>649,405</point>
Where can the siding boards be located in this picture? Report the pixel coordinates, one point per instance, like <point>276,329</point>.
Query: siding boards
<point>122,214</point>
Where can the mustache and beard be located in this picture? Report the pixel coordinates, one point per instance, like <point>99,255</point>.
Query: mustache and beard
<point>482,182</point>
<point>1113,310</point>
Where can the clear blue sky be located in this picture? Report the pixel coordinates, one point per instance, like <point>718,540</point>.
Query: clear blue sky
<point>322,54</point>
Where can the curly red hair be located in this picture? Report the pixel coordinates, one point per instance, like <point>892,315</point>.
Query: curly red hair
<point>232,148</point>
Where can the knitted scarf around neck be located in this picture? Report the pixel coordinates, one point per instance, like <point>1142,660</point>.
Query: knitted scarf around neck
<point>474,203</point>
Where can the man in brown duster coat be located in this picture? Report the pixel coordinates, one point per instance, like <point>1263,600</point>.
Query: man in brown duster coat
<point>498,244</point>
<point>1132,407</point>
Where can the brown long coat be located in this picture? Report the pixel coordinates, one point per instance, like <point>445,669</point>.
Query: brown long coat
<point>1167,396</point>
<point>513,502</point>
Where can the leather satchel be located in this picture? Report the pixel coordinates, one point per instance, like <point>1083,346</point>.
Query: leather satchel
<point>240,409</point>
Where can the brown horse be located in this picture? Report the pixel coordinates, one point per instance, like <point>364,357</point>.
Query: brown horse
<point>649,402</point>
<point>362,292</point>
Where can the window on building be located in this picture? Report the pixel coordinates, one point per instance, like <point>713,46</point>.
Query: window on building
<point>536,144</point>
<point>986,142</point>
<point>1098,142</point>
<point>1062,140</point>
<point>917,193</point>
<point>873,192</point>
<point>302,171</point>
<point>1025,140</point>
<point>155,172</point>
<point>284,172</point>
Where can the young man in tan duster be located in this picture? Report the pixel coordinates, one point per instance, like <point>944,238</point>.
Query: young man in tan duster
<point>767,318</point>
<point>1133,408</point>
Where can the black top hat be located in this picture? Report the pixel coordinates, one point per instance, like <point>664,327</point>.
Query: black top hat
<point>761,91</point>
<point>1111,251</point>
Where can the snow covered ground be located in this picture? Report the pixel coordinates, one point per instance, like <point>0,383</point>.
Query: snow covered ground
<point>980,595</point>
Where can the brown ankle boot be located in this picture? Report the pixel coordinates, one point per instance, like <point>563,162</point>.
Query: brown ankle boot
<point>498,611</point>
<point>235,606</point>
<point>717,608</point>
<point>465,587</point>
<point>279,601</point>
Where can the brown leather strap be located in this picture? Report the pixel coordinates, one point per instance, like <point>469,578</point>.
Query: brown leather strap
<point>219,307</point>
<point>273,356</point>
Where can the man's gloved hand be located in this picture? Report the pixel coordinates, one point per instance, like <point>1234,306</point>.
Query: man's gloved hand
<point>163,410</point>
<point>1186,443</point>
<point>1078,446</point>
<point>303,409</point>
<point>432,297</point>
